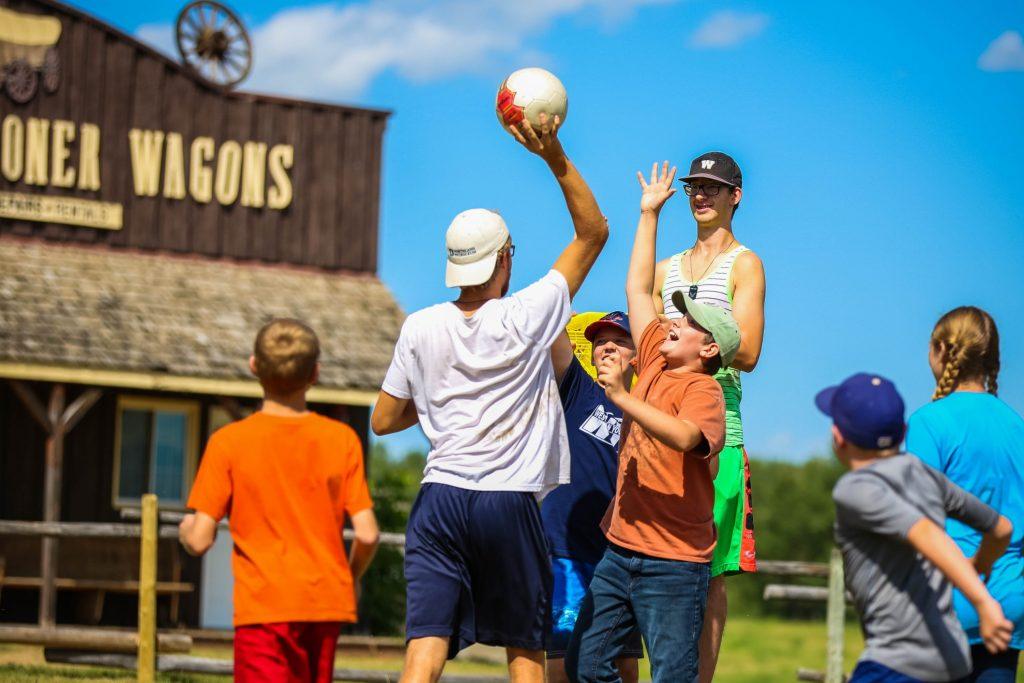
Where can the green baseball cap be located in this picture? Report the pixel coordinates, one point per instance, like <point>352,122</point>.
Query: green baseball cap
<point>716,320</point>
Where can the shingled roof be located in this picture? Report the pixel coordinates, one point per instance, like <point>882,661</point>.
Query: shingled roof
<point>161,316</point>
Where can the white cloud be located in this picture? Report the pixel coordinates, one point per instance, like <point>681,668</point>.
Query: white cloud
<point>1005,53</point>
<point>336,50</point>
<point>728,28</point>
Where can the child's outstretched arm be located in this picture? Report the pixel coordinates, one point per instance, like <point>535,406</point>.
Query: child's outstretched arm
<point>676,433</point>
<point>640,278</point>
<point>935,546</point>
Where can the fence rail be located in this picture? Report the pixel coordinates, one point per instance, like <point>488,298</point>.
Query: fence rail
<point>79,529</point>
<point>174,517</point>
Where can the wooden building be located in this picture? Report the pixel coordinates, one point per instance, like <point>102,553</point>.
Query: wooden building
<point>150,223</point>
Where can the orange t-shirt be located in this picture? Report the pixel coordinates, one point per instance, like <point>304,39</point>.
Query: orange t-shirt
<point>286,484</point>
<point>664,499</point>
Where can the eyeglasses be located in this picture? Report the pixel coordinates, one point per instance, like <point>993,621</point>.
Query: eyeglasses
<point>708,190</point>
<point>511,249</point>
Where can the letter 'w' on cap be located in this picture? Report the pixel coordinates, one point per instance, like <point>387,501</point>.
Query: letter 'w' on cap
<point>715,166</point>
<point>473,240</point>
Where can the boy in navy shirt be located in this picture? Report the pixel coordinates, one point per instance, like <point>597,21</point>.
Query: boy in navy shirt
<point>572,513</point>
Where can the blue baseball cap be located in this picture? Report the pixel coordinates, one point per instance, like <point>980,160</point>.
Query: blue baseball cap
<point>616,319</point>
<point>867,409</point>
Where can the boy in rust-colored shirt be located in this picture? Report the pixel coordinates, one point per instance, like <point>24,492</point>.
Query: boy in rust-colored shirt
<point>660,524</point>
<point>286,478</point>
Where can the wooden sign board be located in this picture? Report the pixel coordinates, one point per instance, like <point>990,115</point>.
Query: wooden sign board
<point>104,140</point>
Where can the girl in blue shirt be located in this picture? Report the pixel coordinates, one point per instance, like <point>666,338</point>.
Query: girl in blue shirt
<point>977,441</point>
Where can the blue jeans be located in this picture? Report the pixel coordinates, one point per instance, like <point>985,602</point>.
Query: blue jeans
<point>665,599</point>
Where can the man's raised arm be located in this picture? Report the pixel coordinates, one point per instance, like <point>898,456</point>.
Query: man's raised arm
<point>590,225</point>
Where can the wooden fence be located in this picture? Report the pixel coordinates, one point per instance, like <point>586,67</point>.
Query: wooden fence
<point>835,597</point>
<point>65,644</point>
<point>145,641</point>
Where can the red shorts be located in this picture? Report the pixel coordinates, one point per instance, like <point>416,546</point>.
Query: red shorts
<point>292,651</point>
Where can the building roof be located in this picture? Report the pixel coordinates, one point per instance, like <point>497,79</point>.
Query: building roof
<point>110,317</point>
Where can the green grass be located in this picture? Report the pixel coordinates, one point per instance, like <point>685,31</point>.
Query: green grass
<point>756,650</point>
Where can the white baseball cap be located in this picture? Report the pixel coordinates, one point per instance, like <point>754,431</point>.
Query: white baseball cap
<point>473,240</point>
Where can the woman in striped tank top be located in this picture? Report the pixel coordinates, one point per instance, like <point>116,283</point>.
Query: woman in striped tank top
<point>719,270</point>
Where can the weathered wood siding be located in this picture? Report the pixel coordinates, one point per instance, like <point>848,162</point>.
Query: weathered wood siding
<point>111,80</point>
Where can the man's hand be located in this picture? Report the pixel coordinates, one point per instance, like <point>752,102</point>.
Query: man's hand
<point>658,190</point>
<point>546,144</point>
<point>994,627</point>
<point>609,377</point>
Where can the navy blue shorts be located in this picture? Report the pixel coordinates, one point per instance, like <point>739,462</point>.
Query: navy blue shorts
<point>477,569</point>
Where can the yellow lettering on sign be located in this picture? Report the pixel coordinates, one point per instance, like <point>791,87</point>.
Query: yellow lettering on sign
<point>60,174</point>
<point>174,167</point>
<point>279,161</point>
<point>67,210</point>
<point>229,172</point>
<point>12,148</point>
<point>200,178</point>
<point>38,141</point>
<point>146,148</point>
<point>254,173</point>
<point>89,157</point>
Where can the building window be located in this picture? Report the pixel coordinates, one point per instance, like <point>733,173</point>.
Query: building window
<point>155,450</point>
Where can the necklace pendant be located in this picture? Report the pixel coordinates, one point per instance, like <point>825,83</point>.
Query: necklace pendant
<point>693,292</point>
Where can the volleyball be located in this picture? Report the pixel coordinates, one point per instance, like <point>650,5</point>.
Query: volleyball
<point>527,93</point>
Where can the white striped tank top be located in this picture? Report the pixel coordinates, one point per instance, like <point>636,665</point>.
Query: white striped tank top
<point>714,289</point>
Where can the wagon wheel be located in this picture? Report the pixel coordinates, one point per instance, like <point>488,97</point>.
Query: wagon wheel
<point>21,81</point>
<point>51,70</point>
<point>214,43</point>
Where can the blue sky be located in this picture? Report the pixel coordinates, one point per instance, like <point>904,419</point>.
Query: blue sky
<point>881,147</point>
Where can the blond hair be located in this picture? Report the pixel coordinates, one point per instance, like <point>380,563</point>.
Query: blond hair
<point>969,343</point>
<point>286,353</point>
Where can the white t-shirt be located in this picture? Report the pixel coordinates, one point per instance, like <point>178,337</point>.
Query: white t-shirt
<point>485,390</point>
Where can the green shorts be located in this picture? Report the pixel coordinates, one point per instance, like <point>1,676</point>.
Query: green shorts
<point>734,515</point>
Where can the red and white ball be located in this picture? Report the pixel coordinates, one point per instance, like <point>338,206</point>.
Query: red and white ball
<point>528,93</point>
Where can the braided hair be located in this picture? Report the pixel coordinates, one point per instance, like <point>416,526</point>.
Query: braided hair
<point>967,342</point>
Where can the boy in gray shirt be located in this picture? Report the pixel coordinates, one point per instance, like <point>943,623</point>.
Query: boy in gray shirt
<point>890,517</point>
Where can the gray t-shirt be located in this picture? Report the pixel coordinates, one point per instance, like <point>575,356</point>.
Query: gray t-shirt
<point>905,603</point>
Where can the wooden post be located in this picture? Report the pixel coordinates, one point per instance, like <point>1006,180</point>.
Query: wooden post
<point>56,422</point>
<point>147,591</point>
<point>836,619</point>
<point>51,506</point>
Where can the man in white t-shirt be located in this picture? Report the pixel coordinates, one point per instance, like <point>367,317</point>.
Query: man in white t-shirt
<point>476,375</point>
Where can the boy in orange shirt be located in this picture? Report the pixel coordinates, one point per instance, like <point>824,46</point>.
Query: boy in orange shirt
<point>286,478</point>
<point>660,527</point>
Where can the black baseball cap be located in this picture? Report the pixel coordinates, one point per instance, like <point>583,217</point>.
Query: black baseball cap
<point>716,166</point>
<point>867,409</point>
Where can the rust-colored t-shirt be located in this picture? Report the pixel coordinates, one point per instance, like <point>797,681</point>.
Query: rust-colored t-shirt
<point>286,484</point>
<point>664,499</point>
